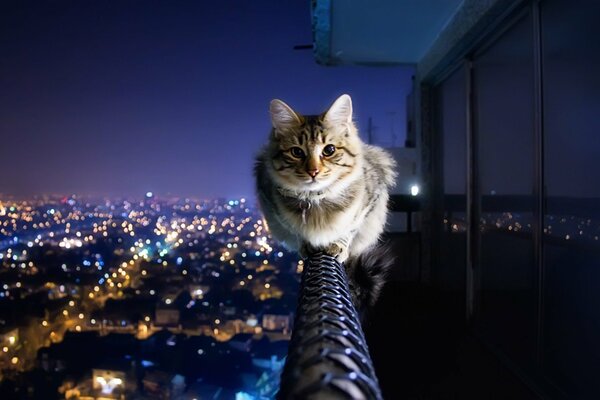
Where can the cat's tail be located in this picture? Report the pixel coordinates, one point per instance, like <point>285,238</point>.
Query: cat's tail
<point>367,274</point>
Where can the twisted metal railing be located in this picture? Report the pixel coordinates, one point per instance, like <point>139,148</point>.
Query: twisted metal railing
<point>328,356</point>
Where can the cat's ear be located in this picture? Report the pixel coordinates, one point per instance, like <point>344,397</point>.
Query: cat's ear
<point>340,111</point>
<point>282,116</point>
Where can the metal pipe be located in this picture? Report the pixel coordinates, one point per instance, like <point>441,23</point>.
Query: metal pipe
<point>328,356</point>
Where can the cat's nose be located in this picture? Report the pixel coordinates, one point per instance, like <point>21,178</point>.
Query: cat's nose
<point>313,172</point>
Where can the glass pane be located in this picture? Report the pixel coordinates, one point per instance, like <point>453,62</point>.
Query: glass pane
<point>571,61</point>
<point>503,85</point>
<point>451,103</point>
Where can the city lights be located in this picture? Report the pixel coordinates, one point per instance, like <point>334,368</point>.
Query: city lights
<point>150,253</point>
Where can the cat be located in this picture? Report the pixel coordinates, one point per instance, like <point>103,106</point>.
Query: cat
<point>321,189</point>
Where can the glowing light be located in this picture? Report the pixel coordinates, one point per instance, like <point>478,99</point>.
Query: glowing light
<point>108,386</point>
<point>414,190</point>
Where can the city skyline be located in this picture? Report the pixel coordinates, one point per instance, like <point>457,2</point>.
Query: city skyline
<point>201,279</point>
<point>115,99</point>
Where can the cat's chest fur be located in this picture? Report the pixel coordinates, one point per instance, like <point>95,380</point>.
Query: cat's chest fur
<point>321,219</point>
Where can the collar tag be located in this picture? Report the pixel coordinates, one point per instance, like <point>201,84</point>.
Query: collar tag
<point>304,206</point>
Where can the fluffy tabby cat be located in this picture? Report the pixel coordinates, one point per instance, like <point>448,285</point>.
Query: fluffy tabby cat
<point>322,189</point>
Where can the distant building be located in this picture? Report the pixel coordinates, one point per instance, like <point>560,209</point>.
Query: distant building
<point>104,384</point>
<point>106,381</point>
<point>168,317</point>
<point>163,385</point>
<point>241,342</point>
<point>277,322</point>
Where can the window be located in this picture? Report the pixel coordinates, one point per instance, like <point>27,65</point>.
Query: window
<point>503,123</point>
<point>571,61</point>
<point>451,108</point>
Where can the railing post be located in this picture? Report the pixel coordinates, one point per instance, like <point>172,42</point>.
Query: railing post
<point>328,356</point>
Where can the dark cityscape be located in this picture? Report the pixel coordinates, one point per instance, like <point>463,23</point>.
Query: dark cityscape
<point>137,293</point>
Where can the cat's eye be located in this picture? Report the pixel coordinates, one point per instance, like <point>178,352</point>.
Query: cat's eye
<point>297,152</point>
<point>328,150</point>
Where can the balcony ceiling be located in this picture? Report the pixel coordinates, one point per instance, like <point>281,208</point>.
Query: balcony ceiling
<point>378,32</point>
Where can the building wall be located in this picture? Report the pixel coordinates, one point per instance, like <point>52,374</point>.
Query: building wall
<point>508,122</point>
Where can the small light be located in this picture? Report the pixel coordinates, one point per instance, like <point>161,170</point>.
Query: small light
<point>414,190</point>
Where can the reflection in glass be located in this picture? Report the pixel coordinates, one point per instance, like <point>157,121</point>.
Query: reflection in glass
<point>571,61</point>
<point>503,89</point>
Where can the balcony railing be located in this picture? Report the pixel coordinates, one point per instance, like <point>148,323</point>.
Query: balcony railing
<point>328,356</point>
<point>403,203</point>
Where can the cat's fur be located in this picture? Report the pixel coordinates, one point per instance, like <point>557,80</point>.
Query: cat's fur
<point>342,209</point>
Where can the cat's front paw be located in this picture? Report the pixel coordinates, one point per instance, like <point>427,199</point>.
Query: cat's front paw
<point>337,250</point>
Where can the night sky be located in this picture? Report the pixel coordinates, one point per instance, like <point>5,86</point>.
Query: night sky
<point>123,97</point>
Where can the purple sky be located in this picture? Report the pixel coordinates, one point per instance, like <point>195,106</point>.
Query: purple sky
<point>122,97</point>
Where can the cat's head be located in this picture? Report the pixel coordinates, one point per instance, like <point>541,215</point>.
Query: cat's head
<point>310,153</point>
